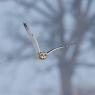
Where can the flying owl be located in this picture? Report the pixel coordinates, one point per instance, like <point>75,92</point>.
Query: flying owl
<point>41,54</point>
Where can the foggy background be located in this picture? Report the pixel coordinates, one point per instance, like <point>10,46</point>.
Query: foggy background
<point>69,71</point>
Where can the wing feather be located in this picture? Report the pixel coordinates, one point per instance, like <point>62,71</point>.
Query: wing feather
<point>62,47</point>
<point>32,37</point>
<point>52,50</point>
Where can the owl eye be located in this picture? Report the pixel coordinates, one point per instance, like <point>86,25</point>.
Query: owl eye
<point>41,54</point>
<point>45,54</point>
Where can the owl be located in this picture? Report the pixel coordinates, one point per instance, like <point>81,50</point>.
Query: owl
<point>41,54</point>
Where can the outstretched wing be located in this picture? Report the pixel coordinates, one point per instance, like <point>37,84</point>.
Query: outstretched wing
<point>32,37</point>
<point>50,51</point>
<point>65,46</point>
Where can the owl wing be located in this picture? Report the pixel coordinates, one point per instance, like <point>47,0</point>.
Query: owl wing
<point>32,37</point>
<point>52,50</point>
<point>62,47</point>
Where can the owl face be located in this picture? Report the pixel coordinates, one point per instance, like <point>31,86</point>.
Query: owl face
<point>43,55</point>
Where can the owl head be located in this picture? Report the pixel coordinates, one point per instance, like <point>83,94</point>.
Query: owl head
<point>43,55</point>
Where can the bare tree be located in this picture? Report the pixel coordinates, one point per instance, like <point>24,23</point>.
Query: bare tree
<point>84,24</point>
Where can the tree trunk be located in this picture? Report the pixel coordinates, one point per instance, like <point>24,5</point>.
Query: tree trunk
<point>66,71</point>
<point>65,75</point>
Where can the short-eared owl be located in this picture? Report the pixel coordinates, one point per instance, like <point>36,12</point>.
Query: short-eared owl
<point>41,54</point>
